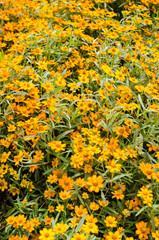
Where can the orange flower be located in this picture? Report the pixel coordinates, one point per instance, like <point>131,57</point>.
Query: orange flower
<point>95,183</point>
<point>118,194</point>
<point>142,230</point>
<point>66,182</point>
<point>47,220</point>
<point>147,169</point>
<point>50,209</point>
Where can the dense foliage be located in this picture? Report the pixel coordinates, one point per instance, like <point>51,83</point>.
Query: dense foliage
<point>79,134</point>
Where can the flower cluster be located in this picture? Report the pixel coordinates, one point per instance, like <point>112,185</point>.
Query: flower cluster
<point>79,95</point>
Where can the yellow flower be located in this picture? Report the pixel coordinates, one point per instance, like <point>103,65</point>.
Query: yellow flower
<point>146,194</point>
<point>3,185</point>
<point>120,154</point>
<point>61,82</point>
<point>102,203</point>
<point>94,206</point>
<point>10,220</point>
<point>156,176</point>
<point>73,223</point>
<point>114,236</point>
<point>107,69</point>
<point>95,183</point>
<point>79,236</point>
<point>91,219</point>
<point>20,221</point>
<point>47,86</point>
<point>113,50</point>
<point>11,128</point>
<point>156,222</point>
<point>110,221</point>
<point>46,234</point>
<point>80,211</point>
<point>134,80</point>
<point>37,51</point>
<point>4,157</point>
<point>126,212</point>
<point>109,87</point>
<point>60,228</point>
<point>140,88</point>
<point>60,208</point>
<point>52,178</point>
<point>65,195</point>
<point>57,146</point>
<point>90,228</point>
<point>83,79</point>
<point>156,235</point>
<point>14,191</point>
<point>28,226</point>
<point>113,166</point>
<point>73,86</point>
<point>120,75</point>
<point>80,182</point>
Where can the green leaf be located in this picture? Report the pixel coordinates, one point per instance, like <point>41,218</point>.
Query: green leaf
<point>119,176</point>
<point>153,223</point>
<point>141,210</point>
<point>120,205</point>
<point>103,198</point>
<point>80,223</point>
<point>1,32</point>
<point>111,210</point>
<point>62,135</point>
<point>141,102</point>
<point>57,217</point>
<point>1,55</point>
<point>9,213</point>
<point>155,207</point>
<point>48,171</point>
<point>36,210</point>
<point>28,137</point>
<point>53,223</point>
